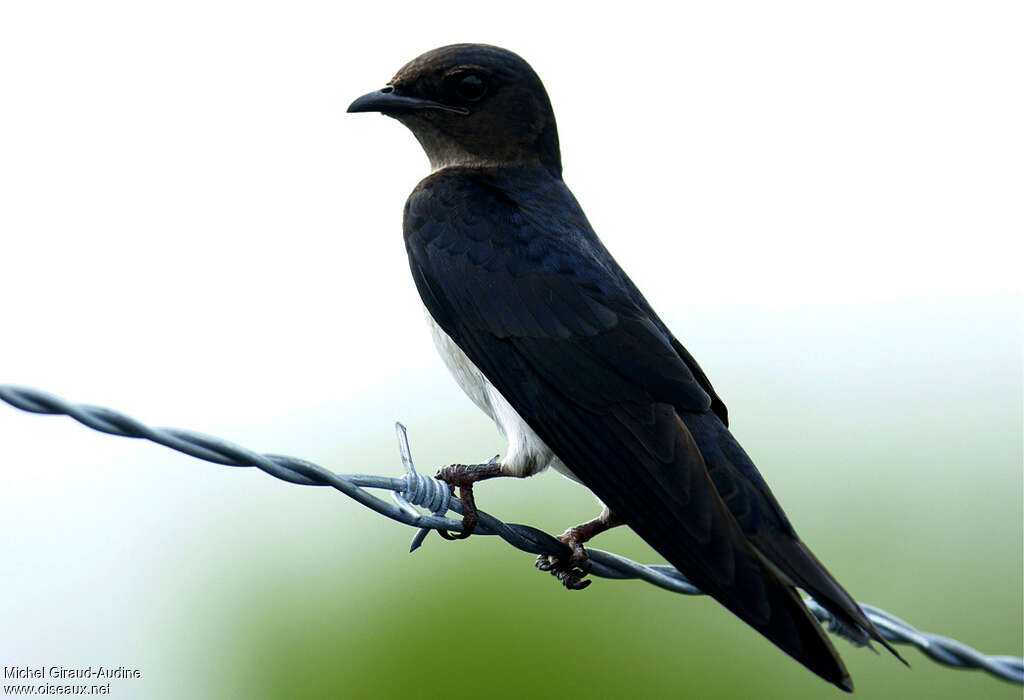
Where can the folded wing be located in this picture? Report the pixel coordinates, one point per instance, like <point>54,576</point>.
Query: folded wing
<point>535,305</point>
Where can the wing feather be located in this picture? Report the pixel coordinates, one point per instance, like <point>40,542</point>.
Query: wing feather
<point>543,311</point>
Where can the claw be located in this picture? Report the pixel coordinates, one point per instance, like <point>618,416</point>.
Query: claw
<point>464,476</point>
<point>573,570</point>
<point>573,580</point>
<point>469,516</point>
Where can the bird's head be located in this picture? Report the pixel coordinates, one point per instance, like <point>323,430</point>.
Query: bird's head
<point>472,104</point>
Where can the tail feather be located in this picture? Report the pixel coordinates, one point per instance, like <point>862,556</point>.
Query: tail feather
<point>797,632</point>
<point>800,566</point>
<point>771,606</point>
<point>770,533</point>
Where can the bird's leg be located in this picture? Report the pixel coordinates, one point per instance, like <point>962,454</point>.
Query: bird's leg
<point>464,476</point>
<point>571,572</point>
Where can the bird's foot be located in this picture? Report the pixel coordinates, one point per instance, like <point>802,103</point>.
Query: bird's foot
<point>571,570</point>
<point>464,476</point>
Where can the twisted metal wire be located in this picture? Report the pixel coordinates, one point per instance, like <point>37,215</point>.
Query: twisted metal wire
<point>415,489</point>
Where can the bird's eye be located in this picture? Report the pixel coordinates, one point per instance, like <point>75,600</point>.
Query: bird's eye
<point>470,87</point>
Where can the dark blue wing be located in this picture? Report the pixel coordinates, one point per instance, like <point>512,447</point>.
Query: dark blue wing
<point>513,273</point>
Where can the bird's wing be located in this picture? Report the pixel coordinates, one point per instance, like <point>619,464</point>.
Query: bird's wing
<point>718,406</point>
<point>598,381</point>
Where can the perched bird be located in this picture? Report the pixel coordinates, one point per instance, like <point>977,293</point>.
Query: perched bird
<point>549,337</point>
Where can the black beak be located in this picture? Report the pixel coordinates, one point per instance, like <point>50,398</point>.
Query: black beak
<point>386,101</point>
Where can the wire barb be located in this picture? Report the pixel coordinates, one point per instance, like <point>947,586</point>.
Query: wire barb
<point>414,489</point>
<point>420,490</point>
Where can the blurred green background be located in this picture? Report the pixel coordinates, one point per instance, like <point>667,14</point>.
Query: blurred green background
<point>891,433</point>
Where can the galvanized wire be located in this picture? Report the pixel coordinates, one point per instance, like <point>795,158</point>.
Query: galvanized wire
<point>414,489</point>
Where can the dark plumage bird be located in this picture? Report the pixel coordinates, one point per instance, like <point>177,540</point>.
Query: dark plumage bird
<point>547,335</point>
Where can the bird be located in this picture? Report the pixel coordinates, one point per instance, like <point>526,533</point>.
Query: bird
<point>547,335</point>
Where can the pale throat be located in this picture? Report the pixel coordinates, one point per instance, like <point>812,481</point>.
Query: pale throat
<point>445,152</point>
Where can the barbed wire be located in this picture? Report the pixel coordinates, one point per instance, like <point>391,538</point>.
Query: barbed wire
<point>415,489</point>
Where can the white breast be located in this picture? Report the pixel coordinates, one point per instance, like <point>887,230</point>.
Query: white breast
<point>527,454</point>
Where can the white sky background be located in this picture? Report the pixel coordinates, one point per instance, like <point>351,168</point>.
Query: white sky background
<point>186,206</point>
<point>193,230</point>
